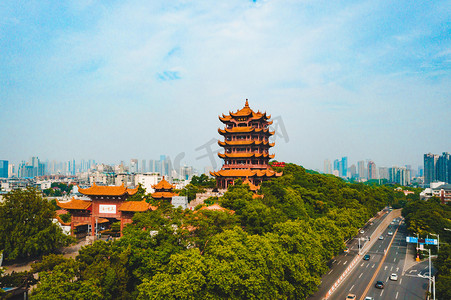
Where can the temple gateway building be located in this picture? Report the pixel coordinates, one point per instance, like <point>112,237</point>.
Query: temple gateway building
<point>108,204</point>
<point>246,148</point>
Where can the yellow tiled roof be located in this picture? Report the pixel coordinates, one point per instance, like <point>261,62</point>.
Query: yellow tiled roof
<point>98,190</point>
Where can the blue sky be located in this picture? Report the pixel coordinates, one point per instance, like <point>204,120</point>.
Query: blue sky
<point>114,80</point>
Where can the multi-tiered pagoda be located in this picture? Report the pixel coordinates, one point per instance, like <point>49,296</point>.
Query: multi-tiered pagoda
<point>246,148</point>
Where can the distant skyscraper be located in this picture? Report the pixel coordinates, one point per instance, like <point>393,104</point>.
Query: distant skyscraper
<point>443,168</point>
<point>372,174</point>
<point>383,173</point>
<point>353,171</point>
<point>152,165</point>
<point>3,168</point>
<point>361,169</point>
<point>133,165</point>
<point>420,171</point>
<point>11,170</point>
<point>430,167</point>
<point>143,166</point>
<point>399,175</point>
<point>336,165</point>
<point>327,167</point>
<point>344,167</point>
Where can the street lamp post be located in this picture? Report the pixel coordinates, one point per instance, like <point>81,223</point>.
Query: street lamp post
<point>430,273</point>
<point>433,282</point>
<point>438,241</point>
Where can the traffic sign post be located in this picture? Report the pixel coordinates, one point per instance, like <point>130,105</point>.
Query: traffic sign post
<point>412,239</point>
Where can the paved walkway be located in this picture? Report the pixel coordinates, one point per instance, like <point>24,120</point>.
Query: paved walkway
<point>410,258</point>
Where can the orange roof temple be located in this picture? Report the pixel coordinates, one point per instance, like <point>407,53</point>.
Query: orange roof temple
<point>246,148</point>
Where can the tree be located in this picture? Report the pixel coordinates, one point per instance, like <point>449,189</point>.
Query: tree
<point>26,229</point>
<point>203,181</point>
<point>60,283</point>
<point>139,195</point>
<point>191,190</point>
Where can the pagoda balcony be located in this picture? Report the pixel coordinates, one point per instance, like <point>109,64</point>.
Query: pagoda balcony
<point>245,166</point>
<point>246,152</point>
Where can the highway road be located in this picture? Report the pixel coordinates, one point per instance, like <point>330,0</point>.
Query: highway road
<point>361,281</point>
<point>339,264</point>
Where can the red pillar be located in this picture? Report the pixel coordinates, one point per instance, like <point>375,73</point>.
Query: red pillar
<point>72,227</point>
<point>122,223</point>
<point>93,226</point>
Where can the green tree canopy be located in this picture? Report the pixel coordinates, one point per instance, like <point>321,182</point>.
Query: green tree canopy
<point>26,227</point>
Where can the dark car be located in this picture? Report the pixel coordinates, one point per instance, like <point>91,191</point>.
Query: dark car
<point>379,285</point>
<point>366,257</point>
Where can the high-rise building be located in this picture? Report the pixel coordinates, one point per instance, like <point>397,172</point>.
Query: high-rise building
<point>143,166</point>
<point>420,171</point>
<point>186,172</point>
<point>3,168</point>
<point>337,165</point>
<point>430,167</point>
<point>361,169</point>
<point>11,170</point>
<point>353,171</point>
<point>444,168</point>
<point>152,166</point>
<point>372,174</point>
<point>399,175</point>
<point>344,166</point>
<point>383,173</point>
<point>133,165</point>
<point>327,167</point>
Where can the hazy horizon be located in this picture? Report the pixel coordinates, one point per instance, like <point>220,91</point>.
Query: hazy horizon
<point>115,80</point>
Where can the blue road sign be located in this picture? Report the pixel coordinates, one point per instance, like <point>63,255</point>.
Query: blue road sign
<point>411,239</point>
<point>431,241</point>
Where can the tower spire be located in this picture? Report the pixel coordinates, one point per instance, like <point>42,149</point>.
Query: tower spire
<point>246,104</point>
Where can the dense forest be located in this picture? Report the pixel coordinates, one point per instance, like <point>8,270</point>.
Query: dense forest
<point>274,245</point>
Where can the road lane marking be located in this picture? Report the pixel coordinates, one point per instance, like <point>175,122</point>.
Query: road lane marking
<point>373,266</point>
<point>385,268</point>
<point>351,287</point>
<point>362,264</point>
<point>330,271</point>
<point>367,265</point>
<point>400,282</point>
<point>394,259</point>
<point>391,269</point>
<point>382,292</point>
<point>339,262</point>
<point>345,262</point>
<point>397,269</point>
<point>361,274</point>
<point>396,295</point>
<point>378,268</point>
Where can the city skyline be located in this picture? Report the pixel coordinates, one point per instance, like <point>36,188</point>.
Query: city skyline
<point>133,79</point>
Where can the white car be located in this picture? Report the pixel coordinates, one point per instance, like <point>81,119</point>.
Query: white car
<point>390,233</point>
<point>381,237</point>
<point>394,276</point>
<point>369,298</point>
<point>361,231</point>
